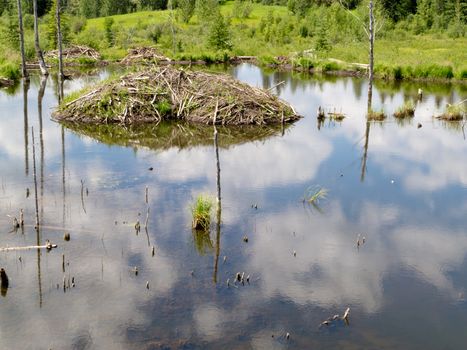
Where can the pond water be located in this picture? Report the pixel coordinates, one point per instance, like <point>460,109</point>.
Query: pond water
<point>402,187</point>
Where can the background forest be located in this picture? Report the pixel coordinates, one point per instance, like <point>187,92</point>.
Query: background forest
<point>414,38</point>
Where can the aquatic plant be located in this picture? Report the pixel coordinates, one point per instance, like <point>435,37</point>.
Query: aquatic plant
<point>453,113</point>
<point>314,193</point>
<point>201,211</point>
<point>406,110</point>
<point>376,115</point>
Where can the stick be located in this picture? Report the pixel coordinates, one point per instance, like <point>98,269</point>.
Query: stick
<point>35,178</point>
<point>46,246</point>
<point>274,86</point>
<point>147,219</point>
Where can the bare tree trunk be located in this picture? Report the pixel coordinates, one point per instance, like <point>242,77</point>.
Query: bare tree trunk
<point>39,55</point>
<point>219,206</point>
<point>371,33</point>
<point>59,44</point>
<point>21,41</point>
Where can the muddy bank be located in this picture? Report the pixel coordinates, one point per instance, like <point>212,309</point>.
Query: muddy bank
<point>166,93</point>
<point>4,82</point>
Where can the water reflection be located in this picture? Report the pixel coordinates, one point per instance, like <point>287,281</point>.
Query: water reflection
<point>405,285</point>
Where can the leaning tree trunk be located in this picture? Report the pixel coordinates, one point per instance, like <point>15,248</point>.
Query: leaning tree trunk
<point>39,55</point>
<point>371,63</point>
<point>59,42</point>
<point>21,41</point>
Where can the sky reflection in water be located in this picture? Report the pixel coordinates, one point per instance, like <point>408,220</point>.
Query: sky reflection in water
<point>405,285</point>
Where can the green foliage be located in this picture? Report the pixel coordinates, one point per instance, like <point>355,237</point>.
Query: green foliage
<point>242,8</point>
<point>207,10</point>
<point>28,21</point>
<point>10,70</point>
<point>109,34</point>
<point>186,10</point>
<point>201,212</point>
<point>322,41</point>
<point>9,32</point>
<point>77,24</point>
<point>164,107</point>
<point>51,32</point>
<point>155,31</point>
<point>219,34</point>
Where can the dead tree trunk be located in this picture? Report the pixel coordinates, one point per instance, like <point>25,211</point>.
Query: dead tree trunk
<point>371,35</point>
<point>39,55</point>
<point>21,41</point>
<point>59,44</point>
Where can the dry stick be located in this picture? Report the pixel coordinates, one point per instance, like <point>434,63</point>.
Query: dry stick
<point>45,246</point>
<point>35,178</point>
<point>82,198</point>
<point>274,86</point>
<point>147,219</point>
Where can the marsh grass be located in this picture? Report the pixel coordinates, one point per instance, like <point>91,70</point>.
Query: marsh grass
<point>406,110</point>
<point>201,211</point>
<point>376,115</point>
<point>314,194</point>
<point>453,113</point>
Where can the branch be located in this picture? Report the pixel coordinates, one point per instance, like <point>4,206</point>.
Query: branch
<point>356,17</point>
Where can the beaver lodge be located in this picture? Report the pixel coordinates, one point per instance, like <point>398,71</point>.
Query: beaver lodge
<point>168,93</point>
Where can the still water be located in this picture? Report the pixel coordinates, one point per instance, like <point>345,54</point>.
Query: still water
<point>402,187</point>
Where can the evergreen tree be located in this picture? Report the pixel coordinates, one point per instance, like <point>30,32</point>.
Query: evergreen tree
<point>398,9</point>
<point>219,34</point>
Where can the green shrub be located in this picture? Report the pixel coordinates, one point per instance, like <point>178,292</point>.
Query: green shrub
<point>330,66</point>
<point>10,70</point>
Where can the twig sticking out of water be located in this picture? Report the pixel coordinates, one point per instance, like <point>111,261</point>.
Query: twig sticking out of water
<point>147,219</point>
<point>82,197</point>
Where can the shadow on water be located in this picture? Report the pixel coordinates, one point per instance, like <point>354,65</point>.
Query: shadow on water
<point>166,135</point>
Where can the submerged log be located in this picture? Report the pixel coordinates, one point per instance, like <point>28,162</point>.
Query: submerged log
<point>167,93</point>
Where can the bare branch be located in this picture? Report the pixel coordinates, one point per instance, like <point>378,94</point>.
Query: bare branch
<point>363,24</point>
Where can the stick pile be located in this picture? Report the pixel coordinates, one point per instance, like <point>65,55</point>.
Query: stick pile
<point>167,93</point>
<point>142,55</point>
<point>75,51</point>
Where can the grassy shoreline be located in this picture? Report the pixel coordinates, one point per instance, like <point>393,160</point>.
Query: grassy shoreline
<point>270,33</point>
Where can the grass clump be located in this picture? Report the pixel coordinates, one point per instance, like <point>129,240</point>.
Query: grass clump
<point>453,113</point>
<point>10,70</point>
<point>406,110</point>
<point>314,194</point>
<point>201,212</point>
<point>376,115</point>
